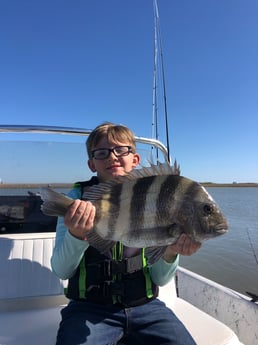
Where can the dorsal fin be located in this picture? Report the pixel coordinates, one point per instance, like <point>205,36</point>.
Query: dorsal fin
<point>152,170</point>
<point>97,191</point>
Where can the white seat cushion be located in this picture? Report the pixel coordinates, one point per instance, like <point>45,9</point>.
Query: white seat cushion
<point>27,327</point>
<point>204,329</point>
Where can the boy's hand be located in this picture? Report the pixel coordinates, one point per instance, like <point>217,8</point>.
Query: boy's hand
<point>184,246</point>
<point>79,218</point>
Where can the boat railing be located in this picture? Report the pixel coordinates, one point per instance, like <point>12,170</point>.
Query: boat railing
<point>76,132</point>
<point>34,156</point>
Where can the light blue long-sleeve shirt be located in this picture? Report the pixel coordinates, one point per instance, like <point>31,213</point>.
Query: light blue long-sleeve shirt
<point>69,250</point>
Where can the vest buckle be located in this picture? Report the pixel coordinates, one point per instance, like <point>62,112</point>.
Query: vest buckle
<point>113,267</point>
<point>111,288</point>
<point>127,265</point>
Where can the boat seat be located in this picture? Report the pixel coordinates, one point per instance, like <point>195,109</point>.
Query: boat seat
<point>23,327</point>
<point>31,298</point>
<point>205,329</point>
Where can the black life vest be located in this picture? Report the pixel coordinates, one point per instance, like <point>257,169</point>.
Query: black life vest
<point>111,278</point>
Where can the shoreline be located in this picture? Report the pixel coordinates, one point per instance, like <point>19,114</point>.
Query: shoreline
<point>70,185</point>
<point>233,185</point>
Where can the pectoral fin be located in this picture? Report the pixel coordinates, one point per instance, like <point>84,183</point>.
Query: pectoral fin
<point>153,254</point>
<point>98,242</point>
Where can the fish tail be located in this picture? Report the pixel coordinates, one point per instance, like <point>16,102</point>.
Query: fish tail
<point>54,203</point>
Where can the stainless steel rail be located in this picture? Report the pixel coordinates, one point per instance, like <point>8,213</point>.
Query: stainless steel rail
<point>74,131</point>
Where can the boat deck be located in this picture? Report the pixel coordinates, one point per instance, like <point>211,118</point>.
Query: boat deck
<point>31,297</point>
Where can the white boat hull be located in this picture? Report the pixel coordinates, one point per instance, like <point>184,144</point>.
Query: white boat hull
<point>230,307</point>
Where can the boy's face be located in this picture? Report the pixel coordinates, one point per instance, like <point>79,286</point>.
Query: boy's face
<point>112,166</point>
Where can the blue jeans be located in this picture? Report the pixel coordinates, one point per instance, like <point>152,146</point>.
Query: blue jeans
<point>95,324</point>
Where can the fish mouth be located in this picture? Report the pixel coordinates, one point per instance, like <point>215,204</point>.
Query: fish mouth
<point>221,228</point>
<point>217,231</point>
<point>221,231</point>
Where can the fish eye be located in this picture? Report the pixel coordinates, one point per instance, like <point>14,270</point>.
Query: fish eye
<point>207,208</point>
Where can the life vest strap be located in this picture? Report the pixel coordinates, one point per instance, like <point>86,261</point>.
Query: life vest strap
<point>109,268</point>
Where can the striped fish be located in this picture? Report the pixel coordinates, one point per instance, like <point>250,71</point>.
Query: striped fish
<point>148,208</point>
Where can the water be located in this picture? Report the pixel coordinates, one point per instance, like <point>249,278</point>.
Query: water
<point>231,259</point>
<point>24,191</point>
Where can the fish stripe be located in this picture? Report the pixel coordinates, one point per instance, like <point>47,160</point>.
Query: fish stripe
<point>180,206</point>
<point>191,193</point>
<point>114,200</point>
<point>138,202</point>
<point>107,209</point>
<point>123,217</point>
<point>163,204</point>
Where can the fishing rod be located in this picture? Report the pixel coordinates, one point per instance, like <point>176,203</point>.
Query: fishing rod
<point>158,49</point>
<point>155,133</point>
<point>252,246</point>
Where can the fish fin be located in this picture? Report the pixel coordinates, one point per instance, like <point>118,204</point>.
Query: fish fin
<point>153,254</point>
<point>97,191</point>
<point>54,203</point>
<point>152,170</point>
<point>98,242</point>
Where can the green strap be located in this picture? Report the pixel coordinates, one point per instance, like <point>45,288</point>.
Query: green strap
<point>82,279</point>
<point>120,252</point>
<point>65,291</point>
<point>146,272</point>
<point>115,252</point>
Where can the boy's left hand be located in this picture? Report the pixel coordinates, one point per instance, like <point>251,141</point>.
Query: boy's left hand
<point>185,245</point>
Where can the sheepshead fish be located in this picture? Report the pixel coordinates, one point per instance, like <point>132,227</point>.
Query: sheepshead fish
<point>148,208</point>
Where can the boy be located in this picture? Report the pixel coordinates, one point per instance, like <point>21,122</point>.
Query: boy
<point>110,303</point>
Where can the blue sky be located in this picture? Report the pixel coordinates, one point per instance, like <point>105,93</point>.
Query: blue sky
<point>79,63</point>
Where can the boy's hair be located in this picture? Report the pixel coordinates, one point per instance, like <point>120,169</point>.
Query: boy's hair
<point>113,132</point>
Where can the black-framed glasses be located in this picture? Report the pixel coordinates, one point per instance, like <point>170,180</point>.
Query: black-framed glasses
<point>118,151</point>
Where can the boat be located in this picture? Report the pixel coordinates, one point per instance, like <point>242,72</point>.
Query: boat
<point>31,296</point>
<point>22,213</point>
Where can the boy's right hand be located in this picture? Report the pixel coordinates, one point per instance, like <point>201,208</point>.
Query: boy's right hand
<point>79,218</point>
